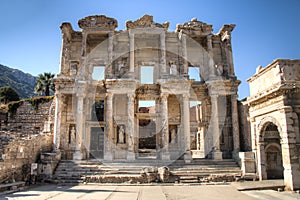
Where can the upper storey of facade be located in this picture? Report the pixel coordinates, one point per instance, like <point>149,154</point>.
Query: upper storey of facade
<point>101,52</point>
<point>281,77</point>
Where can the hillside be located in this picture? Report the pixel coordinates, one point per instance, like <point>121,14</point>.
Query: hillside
<point>23,83</point>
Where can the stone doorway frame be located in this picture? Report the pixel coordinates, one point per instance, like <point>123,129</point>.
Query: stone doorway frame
<point>261,150</point>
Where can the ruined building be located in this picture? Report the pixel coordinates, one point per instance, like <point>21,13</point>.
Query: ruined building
<point>153,96</point>
<point>146,92</point>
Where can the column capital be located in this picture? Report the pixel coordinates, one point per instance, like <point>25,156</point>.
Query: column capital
<point>164,96</point>
<point>185,96</point>
<point>131,96</point>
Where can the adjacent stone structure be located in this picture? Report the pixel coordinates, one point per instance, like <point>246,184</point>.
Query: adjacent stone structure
<point>274,112</point>
<point>146,92</point>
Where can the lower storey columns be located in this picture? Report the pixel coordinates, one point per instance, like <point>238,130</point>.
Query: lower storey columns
<point>109,128</point>
<point>216,153</point>
<point>186,127</point>
<point>130,128</point>
<point>165,127</point>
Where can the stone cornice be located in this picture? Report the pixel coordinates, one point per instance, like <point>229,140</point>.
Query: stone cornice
<point>194,27</point>
<point>146,22</point>
<point>98,21</point>
<point>273,92</point>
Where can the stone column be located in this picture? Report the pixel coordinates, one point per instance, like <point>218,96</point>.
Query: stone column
<point>184,54</point>
<point>261,161</point>
<point>130,129</point>
<point>109,128</point>
<point>163,52</point>
<point>131,49</point>
<point>217,154</point>
<point>57,122</point>
<point>82,71</point>
<point>78,154</point>
<point>186,127</point>
<point>235,127</point>
<point>165,126</point>
<point>110,56</point>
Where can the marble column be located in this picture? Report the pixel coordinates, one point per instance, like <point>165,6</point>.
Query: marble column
<point>184,54</point>
<point>108,136</point>
<point>57,121</point>
<point>186,127</point>
<point>216,153</point>
<point>235,127</point>
<point>82,71</point>
<point>110,55</point>
<point>130,129</point>
<point>165,126</point>
<point>78,154</point>
<point>163,52</point>
<point>131,49</point>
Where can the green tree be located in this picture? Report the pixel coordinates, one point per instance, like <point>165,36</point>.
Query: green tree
<point>7,94</point>
<point>44,84</point>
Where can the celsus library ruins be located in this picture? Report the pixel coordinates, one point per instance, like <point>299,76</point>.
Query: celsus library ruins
<point>147,104</point>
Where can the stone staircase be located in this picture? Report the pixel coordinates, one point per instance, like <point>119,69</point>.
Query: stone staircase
<point>199,171</point>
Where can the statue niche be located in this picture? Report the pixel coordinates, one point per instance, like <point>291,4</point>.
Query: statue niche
<point>121,134</point>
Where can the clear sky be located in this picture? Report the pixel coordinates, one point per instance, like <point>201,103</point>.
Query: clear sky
<point>30,37</point>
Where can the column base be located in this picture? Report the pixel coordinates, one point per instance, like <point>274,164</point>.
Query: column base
<point>217,155</point>
<point>198,154</point>
<point>188,157</point>
<point>77,155</point>
<point>108,156</point>
<point>130,156</point>
<point>235,154</point>
<point>166,156</point>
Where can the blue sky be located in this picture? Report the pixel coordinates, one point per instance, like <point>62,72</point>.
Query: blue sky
<point>30,37</point>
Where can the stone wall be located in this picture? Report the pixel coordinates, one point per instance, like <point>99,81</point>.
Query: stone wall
<point>26,133</point>
<point>20,153</point>
<point>28,117</point>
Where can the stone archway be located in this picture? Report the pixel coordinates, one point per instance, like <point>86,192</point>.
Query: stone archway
<point>270,153</point>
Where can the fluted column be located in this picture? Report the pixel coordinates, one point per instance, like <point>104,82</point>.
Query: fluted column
<point>109,128</point>
<point>235,127</point>
<point>217,154</point>
<point>130,128</point>
<point>165,126</point>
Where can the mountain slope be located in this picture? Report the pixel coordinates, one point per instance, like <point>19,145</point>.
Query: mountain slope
<point>23,83</point>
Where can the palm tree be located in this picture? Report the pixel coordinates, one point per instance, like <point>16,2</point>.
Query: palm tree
<point>44,84</point>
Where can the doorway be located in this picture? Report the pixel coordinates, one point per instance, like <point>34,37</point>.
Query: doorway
<point>97,142</point>
<point>273,153</point>
<point>147,138</point>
